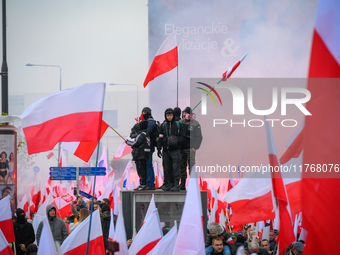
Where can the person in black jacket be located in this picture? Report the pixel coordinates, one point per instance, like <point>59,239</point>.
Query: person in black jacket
<point>191,143</point>
<point>177,112</point>
<point>23,231</point>
<point>217,230</point>
<point>105,217</point>
<point>170,140</point>
<point>140,151</point>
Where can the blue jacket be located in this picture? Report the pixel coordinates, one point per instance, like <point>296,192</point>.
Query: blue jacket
<point>210,249</point>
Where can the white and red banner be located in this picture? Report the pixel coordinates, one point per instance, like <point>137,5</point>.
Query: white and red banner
<point>46,243</point>
<point>84,150</point>
<point>65,116</point>
<point>165,60</point>
<point>120,234</point>
<point>76,242</point>
<point>5,249</point>
<point>6,223</point>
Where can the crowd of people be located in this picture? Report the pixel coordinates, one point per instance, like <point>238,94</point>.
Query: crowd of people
<point>220,242</point>
<point>177,138</point>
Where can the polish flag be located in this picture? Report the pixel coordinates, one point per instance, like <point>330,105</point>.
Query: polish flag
<point>251,200</point>
<point>63,207</point>
<point>5,249</point>
<point>151,208</point>
<point>321,133</point>
<point>24,205</point>
<point>120,234</point>
<point>108,190</point>
<point>122,151</point>
<point>231,182</point>
<point>46,243</point>
<point>41,213</point>
<point>63,160</point>
<point>159,177</point>
<point>167,244</point>
<point>6,223</point>
<point>191,222</point>
<point>148,236</point>
<point>36,197</point>
<point>114,201</point>
<point>65,116</point>
<point>76,242</point>
<point>165,60</point>
<point>286,234</point>
<point>84,150</point>
<point>230,71</point>
<point>57,190</point>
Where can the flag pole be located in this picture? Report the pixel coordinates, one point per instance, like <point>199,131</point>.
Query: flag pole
<point>93,192</point>
<point>117,133</point>
<point>177,80</point>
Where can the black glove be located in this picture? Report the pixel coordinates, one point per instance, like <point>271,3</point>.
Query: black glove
<point>159,154</point>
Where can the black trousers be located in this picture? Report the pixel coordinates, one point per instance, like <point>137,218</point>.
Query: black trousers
<point>171,164</point>
<point>141,170</point>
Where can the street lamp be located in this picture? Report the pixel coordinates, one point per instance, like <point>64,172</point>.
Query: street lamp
<point>59,90</point>
<point>114,84</point>
<point>49,66</point>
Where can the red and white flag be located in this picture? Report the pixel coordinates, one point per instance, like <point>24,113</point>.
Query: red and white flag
<point>320,204</point>
<point>63,207</point>
<point>5,249</point>
<point>6,223</point>
<point>24,205</point>
<point>63,159</point>
<point>35,197</point>
<point>159,177</point>
<point>191,222</point>
<point>165,60</point>
<point>120,234</point>
<point>41,213</point>
<point>65,116</point>
<point>286,233</point>
<point>46,243</point>
<point>251,200</point>
<point>167,244</point>
<point>122,150</point>
<point>125,183</point>
<point>148,236</point>
<point>114,201</point>
<point>84,150</point>
<point>108,190</point>
<point>76,242</point>
<point>230,71</point>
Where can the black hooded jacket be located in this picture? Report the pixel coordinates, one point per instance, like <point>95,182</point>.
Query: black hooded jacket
<point>23,231</point>
<point>170,130</point>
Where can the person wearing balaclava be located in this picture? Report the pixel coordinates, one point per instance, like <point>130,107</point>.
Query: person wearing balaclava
<point>23,232</point>
<point>192,142</point>
<point>177,112</point>
<point>150,131</point>
<point>58,226</point>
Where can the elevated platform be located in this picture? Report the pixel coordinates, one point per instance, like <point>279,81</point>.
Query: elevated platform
<point>169,204</point>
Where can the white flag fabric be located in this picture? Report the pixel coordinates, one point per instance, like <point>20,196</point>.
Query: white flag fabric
<point>120,234</point>
<point>167,244</point>
<point>4,247</point>
<point>191,222</point>
<point>148,236</point>
<point>46,243</point>
<point>112,227</point>
<point>76,242</point>
<point>151,208</point>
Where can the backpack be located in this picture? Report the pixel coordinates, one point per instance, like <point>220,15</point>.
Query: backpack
<point>172,141</point>
<point>155,133</point>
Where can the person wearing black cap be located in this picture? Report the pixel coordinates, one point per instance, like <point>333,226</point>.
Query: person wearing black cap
<point>192,142</point>
<point>151,130</point>
<point>170,140</point>
<point>23,231</point>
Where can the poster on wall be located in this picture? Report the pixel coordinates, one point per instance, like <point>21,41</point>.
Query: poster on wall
<point>8,171</point>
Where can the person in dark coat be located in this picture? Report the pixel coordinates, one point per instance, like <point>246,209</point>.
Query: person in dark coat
<point>140,151</point>
<point>58,226</point>
<point>170,140</point>
<point>23,231</point>
<point>105,217</point>
<point>177,112</point>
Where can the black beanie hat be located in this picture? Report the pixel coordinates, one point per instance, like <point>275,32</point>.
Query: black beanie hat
<point>143,125</point>
<point>104,207</point>
<point>147,114</point>
<point>187,110</point>
<point>177,111</point>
